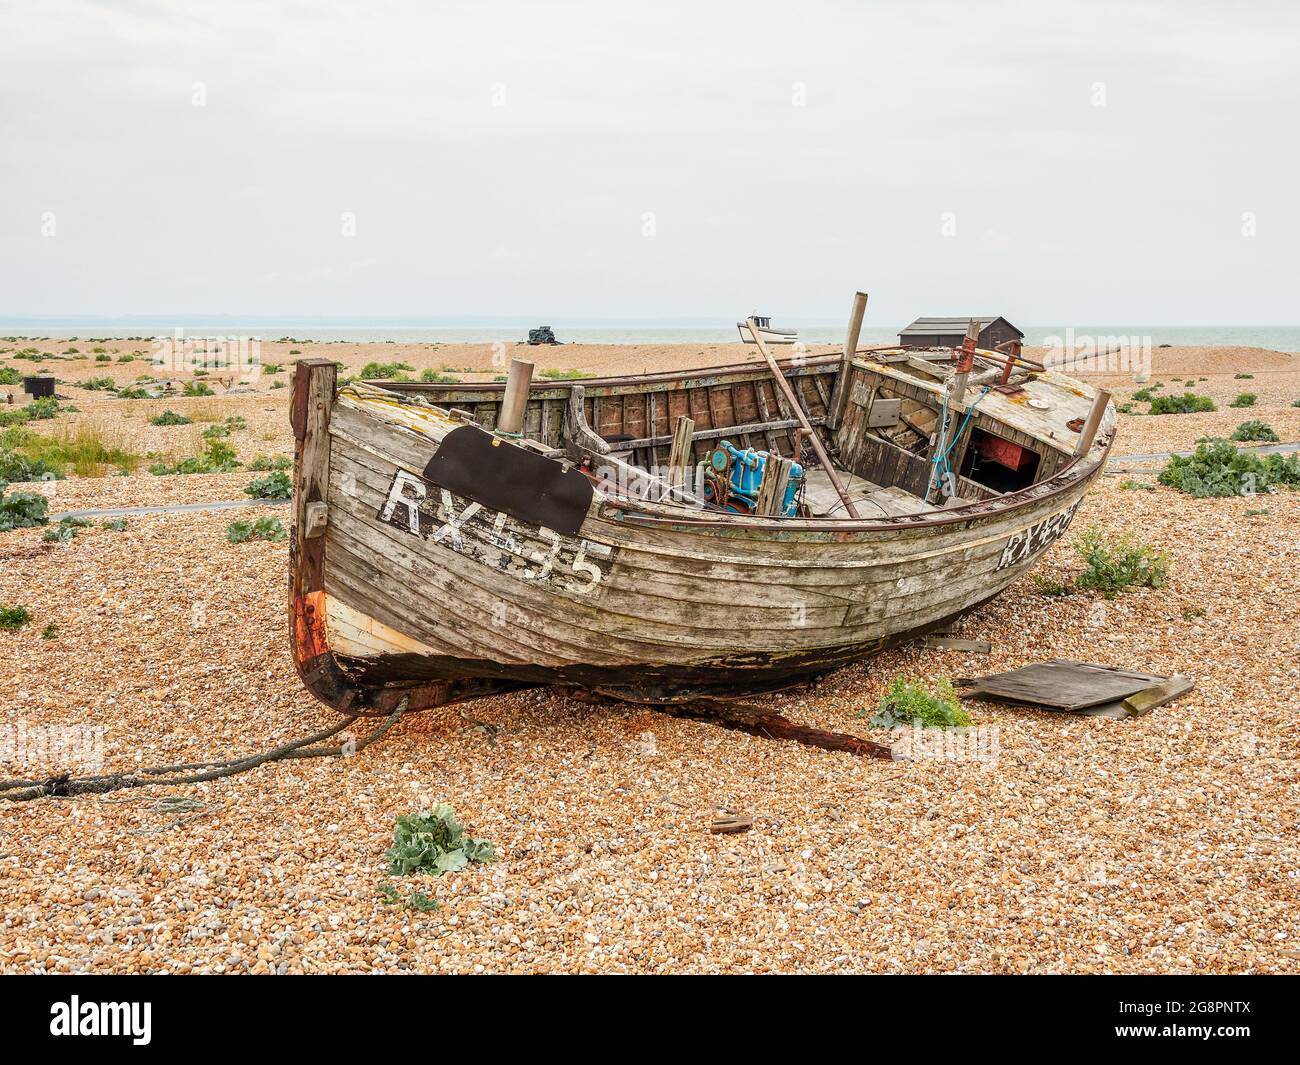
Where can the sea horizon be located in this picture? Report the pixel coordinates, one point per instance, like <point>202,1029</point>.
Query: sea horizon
<point>580,330</point>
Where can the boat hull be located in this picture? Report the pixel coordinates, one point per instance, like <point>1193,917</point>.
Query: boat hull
<point>416,589</point>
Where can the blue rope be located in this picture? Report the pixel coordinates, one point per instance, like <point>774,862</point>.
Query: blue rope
<point>940,461</point>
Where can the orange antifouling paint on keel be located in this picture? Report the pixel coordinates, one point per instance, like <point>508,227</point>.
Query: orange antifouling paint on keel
<point>309,626</point>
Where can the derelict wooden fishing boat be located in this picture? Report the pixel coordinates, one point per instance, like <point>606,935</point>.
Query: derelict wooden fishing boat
<point>439,555</point>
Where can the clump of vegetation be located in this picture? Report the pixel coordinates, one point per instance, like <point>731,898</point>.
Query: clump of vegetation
<point>433,841</point>
<point>9,376</point>
<point>1217,470</point>
<point>132,392</point>
<point>266,462</point>
<point>1047,586</point>
<point>18,467</point>
<point>50,632</point>
<point>417,900</point>
<point>272,486</point>
<point>1243,377</point>
<point>13,618</point>
<point>103,358</point>
<point>170,417</point>
<point>66,530</point>
<point>38,410</point>
<point>913,703</point>
<point>238,532</point>
<point>277,384</point>
<point>22,510</point>
<point>87,449</point>
<point>563,375</point>
<point>1143,395</point>
<point>197,388</point>
<point>1295,403</point>
<point>436,378</point>
<point>1187,403</point>
<point>1255,430</point>
<point>1244,399</point>
<point>273,367</point>
<point>1114,563</point>
<point>224,429</point>
<point>385,371</point>
<point>216,457</point>
<point>116,525</point>
<point>1132,485</point>
<point>98,384</point>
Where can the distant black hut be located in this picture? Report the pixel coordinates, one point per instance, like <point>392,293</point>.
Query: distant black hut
<point>948,333</point>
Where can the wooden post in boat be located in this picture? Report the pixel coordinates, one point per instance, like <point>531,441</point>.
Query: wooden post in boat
<point>1093,423</point>
<point>840,397</point>
<point>798,410</point>
<point>510,422</point>
<point>313,394</point>
<point>771,493</point>
<point>679,458</point>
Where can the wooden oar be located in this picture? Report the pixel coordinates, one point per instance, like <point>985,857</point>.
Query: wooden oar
<point>797,407</point>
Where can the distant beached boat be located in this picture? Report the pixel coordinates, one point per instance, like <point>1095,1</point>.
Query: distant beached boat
<point>768,333</point>
<point>454,540</point>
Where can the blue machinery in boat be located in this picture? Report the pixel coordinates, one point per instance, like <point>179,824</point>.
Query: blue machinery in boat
<point>733,479</point>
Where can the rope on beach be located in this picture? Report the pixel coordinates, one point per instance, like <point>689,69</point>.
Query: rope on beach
<point>66,786</point>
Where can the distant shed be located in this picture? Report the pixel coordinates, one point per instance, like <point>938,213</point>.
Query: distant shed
<point>948,333</point>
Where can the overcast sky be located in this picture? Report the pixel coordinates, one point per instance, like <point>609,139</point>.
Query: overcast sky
<point>1059,163</point>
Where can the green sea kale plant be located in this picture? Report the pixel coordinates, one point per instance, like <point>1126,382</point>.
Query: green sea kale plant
<point>433,841</point>
<point>1255,430</point>
<point>22,510</point>
<point>272,486</point>
<point>1187,403</point>
<point>239,532</point>
<point>1217,469</point>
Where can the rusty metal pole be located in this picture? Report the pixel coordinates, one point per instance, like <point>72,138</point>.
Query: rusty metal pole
<point>510,422</point>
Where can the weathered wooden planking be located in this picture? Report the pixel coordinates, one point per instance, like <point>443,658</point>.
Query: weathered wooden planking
<point>1062,684</point>
<point>1141,703</point>
<point>779,601</point>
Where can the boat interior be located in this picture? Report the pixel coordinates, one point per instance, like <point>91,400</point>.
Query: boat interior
<point>899,436</point>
